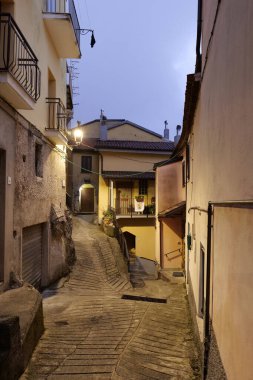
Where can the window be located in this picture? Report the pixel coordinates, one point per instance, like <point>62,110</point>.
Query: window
<point>38,160</point>
<point>183,174</point>
<point>86,164</point>
<point>143,187</point>
<point>188,164</point>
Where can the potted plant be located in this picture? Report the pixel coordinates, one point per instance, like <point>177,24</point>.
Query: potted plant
<point>108,226</point>
<point>139,198</point>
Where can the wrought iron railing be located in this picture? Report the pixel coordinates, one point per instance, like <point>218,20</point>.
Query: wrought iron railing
<point>64,6</point>
<point>120,236</point>
<point>17,57</point>
<point>130,206</point>
<point>57,116</point>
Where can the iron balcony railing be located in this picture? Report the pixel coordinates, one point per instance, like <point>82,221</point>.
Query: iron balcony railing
<point>131,206</point>
<point>64,6</point>
<point>17,57</point>
<point>57,116</point>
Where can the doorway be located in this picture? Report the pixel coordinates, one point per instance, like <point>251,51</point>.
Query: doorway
<point>2,210</point>
<point>131,242</point>
<point>87,198</point>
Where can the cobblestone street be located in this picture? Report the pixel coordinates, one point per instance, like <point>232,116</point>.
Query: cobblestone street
<point>91,333</point>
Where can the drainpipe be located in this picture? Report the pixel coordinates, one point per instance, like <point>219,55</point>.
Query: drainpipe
<point>208,287</point>
<point>198,41</point>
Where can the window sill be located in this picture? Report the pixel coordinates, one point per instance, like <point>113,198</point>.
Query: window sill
<point>39,179</point>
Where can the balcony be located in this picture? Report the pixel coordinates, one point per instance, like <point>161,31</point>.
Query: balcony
<point>56,131</point>
<point>62,23</point>
<point>19,71</point>
<point>134,207</point>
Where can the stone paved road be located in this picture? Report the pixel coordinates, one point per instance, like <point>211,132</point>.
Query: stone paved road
<point>91,333</point>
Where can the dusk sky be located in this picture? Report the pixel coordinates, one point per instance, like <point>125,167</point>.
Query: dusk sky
<point>138,66</point>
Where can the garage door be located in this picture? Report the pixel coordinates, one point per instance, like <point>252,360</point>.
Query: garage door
<point>32,255</point>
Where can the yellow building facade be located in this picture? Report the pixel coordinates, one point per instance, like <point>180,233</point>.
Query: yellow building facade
<point>123,155</point>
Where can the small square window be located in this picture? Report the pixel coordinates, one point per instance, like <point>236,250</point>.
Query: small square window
<point>86,164</point>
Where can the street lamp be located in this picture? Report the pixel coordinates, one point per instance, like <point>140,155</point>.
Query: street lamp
<point>85,31</point>
<point>78,135</point>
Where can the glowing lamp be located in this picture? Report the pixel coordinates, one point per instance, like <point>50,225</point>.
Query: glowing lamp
<point>78,135</point>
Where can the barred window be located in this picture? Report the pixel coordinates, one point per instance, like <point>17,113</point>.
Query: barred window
<point>86,164</point>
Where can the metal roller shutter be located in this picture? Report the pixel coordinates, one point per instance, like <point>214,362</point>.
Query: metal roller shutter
<point>32,255</point>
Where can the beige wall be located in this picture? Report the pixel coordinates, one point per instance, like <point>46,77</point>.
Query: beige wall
<point>28,15</point>
<point>7,143</point>
<point>90,130</point>
<point>221,167</point>
<point>145,238</point>
<point>170,186</point>
<point>232,306</point>
<point>172,232</point>
<point>128,132</point>
<point>122,132</point>
<point>128,161</point>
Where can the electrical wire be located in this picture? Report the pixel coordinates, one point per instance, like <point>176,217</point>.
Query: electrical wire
<point>63,155</point>
<point>87,12</point>
<point>124,158</point>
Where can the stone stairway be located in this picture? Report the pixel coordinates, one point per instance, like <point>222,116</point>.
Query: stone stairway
<point>141,269</point>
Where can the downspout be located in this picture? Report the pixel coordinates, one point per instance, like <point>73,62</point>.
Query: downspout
<point>208,287</point>
<point>198,41</point>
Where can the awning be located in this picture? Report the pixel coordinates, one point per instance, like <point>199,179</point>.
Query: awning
<point>176,210</point>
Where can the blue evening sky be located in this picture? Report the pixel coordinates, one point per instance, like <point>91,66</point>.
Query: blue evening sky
<point>137,69</point>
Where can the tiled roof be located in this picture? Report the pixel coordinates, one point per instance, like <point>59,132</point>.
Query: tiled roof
<point>87,144</point>
<point>159,146</point>
<point>129,175</point>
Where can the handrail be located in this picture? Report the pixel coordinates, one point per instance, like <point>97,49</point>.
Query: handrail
<point>57,116</point>
<point>17,57</point>
<point>120,236</point>
<point>175,250</point>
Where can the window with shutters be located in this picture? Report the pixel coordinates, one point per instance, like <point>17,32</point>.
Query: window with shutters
<point>86,164</point>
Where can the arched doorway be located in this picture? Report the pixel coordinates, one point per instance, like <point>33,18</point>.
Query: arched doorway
<point>86,198</point>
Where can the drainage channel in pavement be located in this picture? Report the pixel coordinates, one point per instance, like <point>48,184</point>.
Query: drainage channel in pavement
<point>143,298</point>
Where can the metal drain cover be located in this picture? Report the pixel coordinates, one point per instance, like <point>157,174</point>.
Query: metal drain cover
<point>178,274</point>
<point>143,298</point>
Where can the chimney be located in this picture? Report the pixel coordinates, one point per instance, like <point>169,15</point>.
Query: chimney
<point>166,133</point>
<point>103,126</point>
<point>177,137</point>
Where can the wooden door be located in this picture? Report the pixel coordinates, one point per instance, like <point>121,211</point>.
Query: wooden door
<point>87,200</point>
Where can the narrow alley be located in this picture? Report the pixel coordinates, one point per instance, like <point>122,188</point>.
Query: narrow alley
<point>92,333</point>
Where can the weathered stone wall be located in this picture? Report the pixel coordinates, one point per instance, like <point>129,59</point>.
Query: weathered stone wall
<point>29,197</point>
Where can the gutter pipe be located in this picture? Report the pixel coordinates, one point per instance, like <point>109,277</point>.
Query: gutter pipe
<point>198,41</point>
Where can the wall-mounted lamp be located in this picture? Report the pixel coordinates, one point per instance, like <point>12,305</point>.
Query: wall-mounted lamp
<point>85,31</point>
<point>78,135</point>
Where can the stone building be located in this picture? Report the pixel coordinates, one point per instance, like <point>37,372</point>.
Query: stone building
<point>35,233</point>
